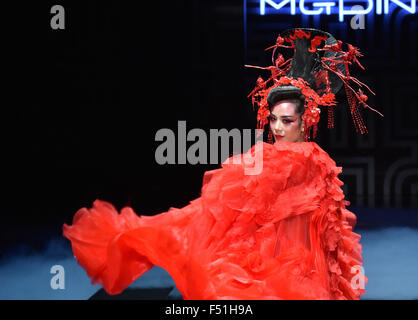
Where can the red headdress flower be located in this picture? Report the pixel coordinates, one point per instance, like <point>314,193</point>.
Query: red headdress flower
<point>317,71</point>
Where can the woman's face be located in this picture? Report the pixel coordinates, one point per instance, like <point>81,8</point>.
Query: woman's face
<point>285,123</point>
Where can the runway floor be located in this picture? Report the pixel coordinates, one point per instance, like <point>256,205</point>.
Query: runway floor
<point>390,263</point>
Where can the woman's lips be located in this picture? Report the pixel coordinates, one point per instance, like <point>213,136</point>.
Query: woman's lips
<point>278,137</point>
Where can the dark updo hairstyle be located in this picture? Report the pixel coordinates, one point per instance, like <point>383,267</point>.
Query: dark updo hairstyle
<point>287,93</point>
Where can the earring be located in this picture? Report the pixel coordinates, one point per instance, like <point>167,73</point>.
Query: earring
<point>270,137</point>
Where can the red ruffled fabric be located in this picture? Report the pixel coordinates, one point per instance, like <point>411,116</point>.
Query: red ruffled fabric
<point>284,233</point>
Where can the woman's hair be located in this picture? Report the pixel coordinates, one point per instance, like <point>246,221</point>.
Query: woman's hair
<point>288,93</point>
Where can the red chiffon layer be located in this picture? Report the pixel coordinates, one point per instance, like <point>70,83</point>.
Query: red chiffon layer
<point>284,233</point>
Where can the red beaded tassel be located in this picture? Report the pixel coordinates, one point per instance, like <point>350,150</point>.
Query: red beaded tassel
<point>330,117</point>
<point>330,108</point>
<point>270,137</point>
<point>355,113</point>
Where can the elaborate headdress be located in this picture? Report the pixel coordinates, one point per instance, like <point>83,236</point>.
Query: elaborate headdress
<point>316,72</point>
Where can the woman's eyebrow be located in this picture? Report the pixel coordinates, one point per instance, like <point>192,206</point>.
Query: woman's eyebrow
<point>282,116</point>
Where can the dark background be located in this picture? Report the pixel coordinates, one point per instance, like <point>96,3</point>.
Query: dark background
<point>87,101</point>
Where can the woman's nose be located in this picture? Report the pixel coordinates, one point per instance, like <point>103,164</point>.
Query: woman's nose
<point>278,126</point>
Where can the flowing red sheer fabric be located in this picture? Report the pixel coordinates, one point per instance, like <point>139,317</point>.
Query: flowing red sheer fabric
<point>284,233</point>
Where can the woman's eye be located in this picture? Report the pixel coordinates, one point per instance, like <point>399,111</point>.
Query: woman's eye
<point>287,121</point>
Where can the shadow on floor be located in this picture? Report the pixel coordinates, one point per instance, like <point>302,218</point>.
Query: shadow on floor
<point>138,294</point>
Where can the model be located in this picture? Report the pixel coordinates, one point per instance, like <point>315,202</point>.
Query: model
<point>284,233</point>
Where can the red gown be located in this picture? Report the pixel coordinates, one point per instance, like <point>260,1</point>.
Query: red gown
<point>284,233</point>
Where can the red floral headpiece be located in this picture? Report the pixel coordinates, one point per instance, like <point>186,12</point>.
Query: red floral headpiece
<point>330,71</point>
